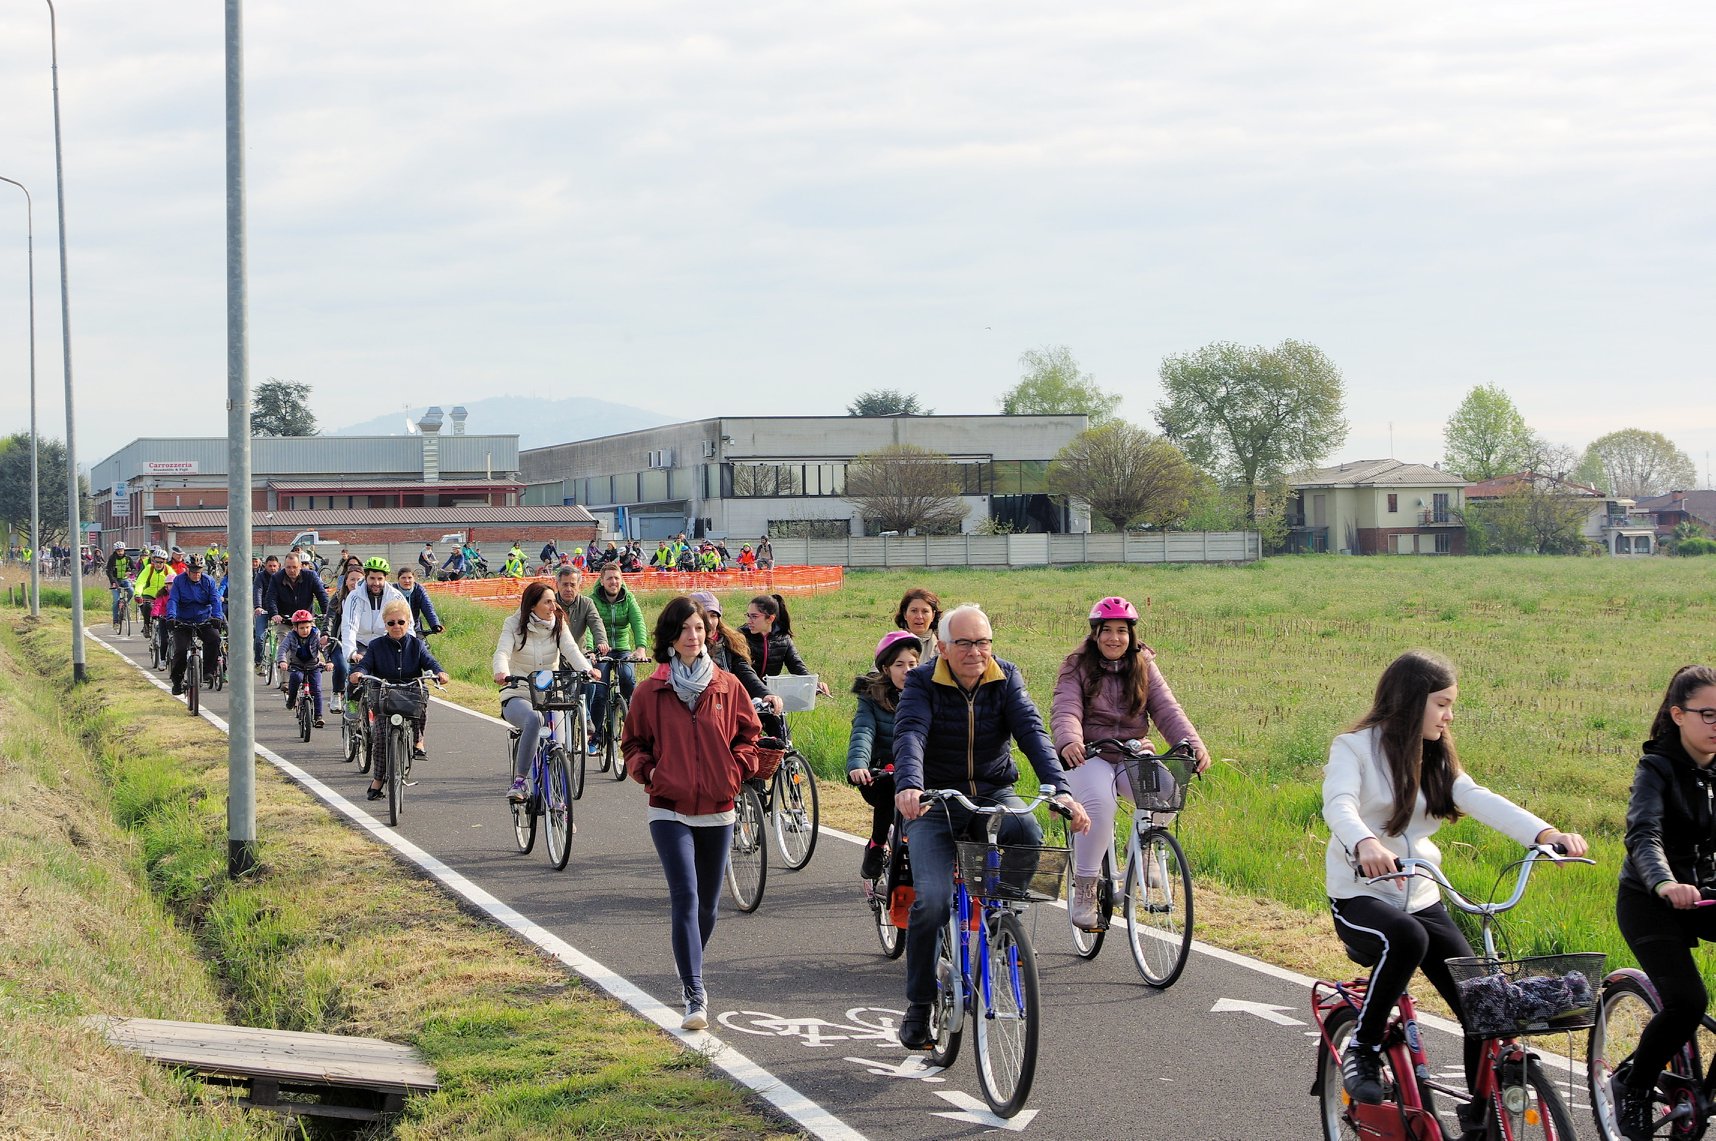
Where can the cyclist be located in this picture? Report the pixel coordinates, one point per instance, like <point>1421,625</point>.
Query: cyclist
<point>426,560</point>
<point>176,560</point>
<point>295,588</point>
<point>514,565</point>
<point>426,621</point>
<point>304,651</point>
<point>870,749</point>
<point>454,568</point>
<point>918,612</point>
<point>747,558</point>
<point>151,582</point>
<point>1389,784</point>
<point>262,574</point>
<point>397,657</point>
<point>336,619</point>
<point>1109,687</point>
<point>765,554</point>
<point>534,637</point>
<point>361,619</point>
<point>194,600</point>
<point>580,612</point>
<point>954,727</point>
<point>662,560</point>
<point>1671,858</point>
<point>768,630</point>
<point>691,740</point>
<point>623,620</point>
<point>118,579</point>
<point>729,651</point>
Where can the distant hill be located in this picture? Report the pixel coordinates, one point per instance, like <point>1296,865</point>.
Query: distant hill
<point>539,421</point>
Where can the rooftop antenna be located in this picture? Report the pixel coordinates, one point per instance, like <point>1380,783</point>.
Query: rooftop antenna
<point>1391,439</point>
<point>409,426</point>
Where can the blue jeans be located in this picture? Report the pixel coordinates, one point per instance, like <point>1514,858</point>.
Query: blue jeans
<point>694,860</point>
<point>932,851</point>
<point>341,672</point>
<point>599,691</point>
<point>259,630</point>
<point>311,679</point>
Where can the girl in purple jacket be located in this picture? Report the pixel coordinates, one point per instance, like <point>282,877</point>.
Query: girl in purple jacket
<point>1108,687</point>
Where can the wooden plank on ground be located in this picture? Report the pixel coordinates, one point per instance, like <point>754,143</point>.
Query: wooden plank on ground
<point>288,1055</point>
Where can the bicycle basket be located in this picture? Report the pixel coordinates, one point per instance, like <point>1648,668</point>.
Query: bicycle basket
<point>768,761</point>
<point>1026,873</point>
<point>1158,783</point>
<point>405,700</point>
<point>564,692</point>
<point>1543,994</point>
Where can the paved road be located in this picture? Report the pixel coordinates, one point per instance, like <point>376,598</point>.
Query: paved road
<point>801,987</point>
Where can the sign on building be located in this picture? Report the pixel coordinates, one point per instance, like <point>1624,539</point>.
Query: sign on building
<point>122,500</point>
<point>170,467</point>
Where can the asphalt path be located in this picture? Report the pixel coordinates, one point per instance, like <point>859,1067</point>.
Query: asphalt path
<point>800,987</point>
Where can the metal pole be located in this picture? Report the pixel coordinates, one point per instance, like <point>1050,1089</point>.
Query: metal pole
<point>74,519</point>
<point>35,440</point>
<point>241,729</point>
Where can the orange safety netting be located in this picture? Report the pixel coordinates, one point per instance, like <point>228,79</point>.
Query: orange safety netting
<point>778,580</point>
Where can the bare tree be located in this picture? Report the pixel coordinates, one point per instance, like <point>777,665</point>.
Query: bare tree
<point>905,488</point>
<point>751,481</point>
<point>1125,475</point>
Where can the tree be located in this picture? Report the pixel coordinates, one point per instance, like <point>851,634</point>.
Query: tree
<point>904,488</point>
<point>1635,463</point>
<point>887,402</point>
<point>763,480</point>
<point>1125,475</point>
<point>1540,516</point>
<point>281,408</point>
<point>51,489</point>
<point>1052,385</point>
<point>1251,414</point>
<point>1486,437</point>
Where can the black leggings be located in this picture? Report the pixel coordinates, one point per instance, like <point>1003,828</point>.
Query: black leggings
<point>879,795</point>
<point>1662,939</point>
<point>1400,942</point>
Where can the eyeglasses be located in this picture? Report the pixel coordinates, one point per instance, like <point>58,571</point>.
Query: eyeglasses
<point>399,621</point>
<point>1708,715</point>
<point>966,645</point>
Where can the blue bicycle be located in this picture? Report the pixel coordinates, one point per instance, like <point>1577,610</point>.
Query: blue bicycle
<point>554,693</point>
<point>986,970</point>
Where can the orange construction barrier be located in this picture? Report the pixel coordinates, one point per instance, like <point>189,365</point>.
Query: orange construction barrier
<point>777,580</point>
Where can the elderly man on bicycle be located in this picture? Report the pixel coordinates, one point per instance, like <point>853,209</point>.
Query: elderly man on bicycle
<point>954,727</point>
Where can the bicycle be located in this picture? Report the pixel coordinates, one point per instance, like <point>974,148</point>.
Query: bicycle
<point>748,855</point>
<point>156,631</point>
<point>122,595</point>
<point>400,703</point>
<point>879,893</point>
<point>551,692</point>
<point>354,719</point>
<point>790,799</point>
<point>1518,1100</point>
<point>1681,1099</point>
<point>1157,903</point>
<point>612,758</point>
<point>270,651</point>
<point>193,675</point>
<point>218,675</point>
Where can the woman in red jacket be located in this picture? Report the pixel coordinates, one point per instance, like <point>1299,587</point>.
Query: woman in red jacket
<point>690,739</point>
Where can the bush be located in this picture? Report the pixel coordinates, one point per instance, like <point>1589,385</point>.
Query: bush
<point>1695,546</point>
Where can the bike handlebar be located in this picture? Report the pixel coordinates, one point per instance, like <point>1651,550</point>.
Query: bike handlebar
<point>1137,749</point>
<point>933,795</point>
<point>1412,866</point>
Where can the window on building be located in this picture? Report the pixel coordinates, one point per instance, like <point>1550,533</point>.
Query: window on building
<point>1393,503</point>
<point>1444,542</point>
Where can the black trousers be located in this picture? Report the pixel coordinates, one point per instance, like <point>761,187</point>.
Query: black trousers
<point>879,795</point>
<point>182,647</point>
<point>1662,939</point>
<point>1399,943</point>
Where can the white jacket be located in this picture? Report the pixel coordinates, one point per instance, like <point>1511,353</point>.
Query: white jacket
<point>1358,798</point>
<point>360,617</point>
<point>541,652</point>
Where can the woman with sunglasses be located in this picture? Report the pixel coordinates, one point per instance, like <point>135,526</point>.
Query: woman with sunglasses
<point>400,656</point>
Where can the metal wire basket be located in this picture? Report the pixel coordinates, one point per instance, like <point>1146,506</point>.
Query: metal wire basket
<point>1023,873</point>
<point>566,691</point>
<point>1158,783</point>
<point>1542,994</point>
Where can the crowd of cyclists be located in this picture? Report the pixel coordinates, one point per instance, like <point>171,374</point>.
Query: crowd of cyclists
<point>939,709</point>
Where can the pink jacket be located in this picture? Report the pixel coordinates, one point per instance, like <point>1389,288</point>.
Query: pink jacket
<point>1070,723</point>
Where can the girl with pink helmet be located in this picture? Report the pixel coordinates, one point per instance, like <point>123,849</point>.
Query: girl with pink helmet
<point>870,749</point>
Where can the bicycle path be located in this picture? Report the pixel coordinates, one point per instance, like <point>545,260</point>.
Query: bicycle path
<point>800,991</point>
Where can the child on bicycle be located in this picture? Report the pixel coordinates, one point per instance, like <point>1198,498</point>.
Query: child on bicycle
<point>1109,687</point>
<point>1389,785</point>
<point>870,749</point>
<point>303,656</point>
<point>1671,858</point>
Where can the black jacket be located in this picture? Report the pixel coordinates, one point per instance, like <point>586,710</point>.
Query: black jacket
<point>1671,822</point>
<point>286,598</point>
<point>775,654</point>
<point>740,668</point>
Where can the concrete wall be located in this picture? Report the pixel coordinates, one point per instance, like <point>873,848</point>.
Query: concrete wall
<point>1021,550</point>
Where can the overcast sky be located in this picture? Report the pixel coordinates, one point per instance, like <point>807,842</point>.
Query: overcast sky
<point>769,207</point>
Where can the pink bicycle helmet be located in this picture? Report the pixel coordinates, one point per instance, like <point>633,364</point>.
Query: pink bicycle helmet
<point>302,616</point>
<point>1112,608</point>
<point>892,641</point>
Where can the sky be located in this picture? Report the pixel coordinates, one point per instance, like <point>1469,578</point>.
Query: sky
<point>767,208</point>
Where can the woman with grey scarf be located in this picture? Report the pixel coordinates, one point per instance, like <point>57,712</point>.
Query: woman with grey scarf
<point>690,740</point>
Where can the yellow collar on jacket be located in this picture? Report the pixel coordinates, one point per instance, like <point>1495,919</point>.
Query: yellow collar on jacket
<point>944,675</point>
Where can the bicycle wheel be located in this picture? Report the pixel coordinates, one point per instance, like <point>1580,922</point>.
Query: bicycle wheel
<point>1008,1016</point>
<point>893,939</point>
<point>947,1013</point>
<point>1333,1102</point>
<point>557,808</point>
<point>577,753</point>
<point>398,745</point>
<point>1530,1108</point>
<point>611,736</point>
<point>305,715</point>
<point>365,740</point>
<point>1086,944</point>
<point>794,812</point>
<point>1627,1004</point>
<point>193,681</point>
<point>524,821</point>
<point>268,651</point>
<point>1159,908</point>
<point>748,859</point>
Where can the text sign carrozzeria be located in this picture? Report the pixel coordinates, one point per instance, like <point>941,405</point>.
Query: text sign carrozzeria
<point>170,467</point>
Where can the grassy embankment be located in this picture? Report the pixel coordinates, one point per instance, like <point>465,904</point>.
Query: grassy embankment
<point>1562,662</point>
<point>113,872</point>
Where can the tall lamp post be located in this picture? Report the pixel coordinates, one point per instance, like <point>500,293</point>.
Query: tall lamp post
<point>35,446</point>
<point>74,520</point>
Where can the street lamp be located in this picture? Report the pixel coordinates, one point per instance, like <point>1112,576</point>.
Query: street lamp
<point>35,486</point>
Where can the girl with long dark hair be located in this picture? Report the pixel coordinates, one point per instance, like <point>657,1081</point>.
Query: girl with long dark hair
<point>533,637</point>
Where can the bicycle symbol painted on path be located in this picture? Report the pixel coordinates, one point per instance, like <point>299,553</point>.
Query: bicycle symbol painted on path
<point>863,1024</point>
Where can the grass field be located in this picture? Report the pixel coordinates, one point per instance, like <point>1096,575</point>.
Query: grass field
<point>1562,663</point>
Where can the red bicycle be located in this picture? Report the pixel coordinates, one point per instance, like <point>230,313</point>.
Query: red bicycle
<point>1502,999</point>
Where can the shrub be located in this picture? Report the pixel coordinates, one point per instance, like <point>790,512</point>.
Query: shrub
<point>1695,546</point>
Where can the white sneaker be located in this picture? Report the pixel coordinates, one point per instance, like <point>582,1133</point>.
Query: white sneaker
<point>696,1010</point>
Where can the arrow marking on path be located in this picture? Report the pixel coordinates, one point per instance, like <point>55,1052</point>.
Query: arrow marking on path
<point>913,1067</point>
<point>1266,1011</point>
<point>976,1111</point>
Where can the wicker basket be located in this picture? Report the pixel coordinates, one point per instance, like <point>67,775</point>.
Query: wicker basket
<point>1544,994</point>
<point>1027,874</point>
<point>1158,783</point>
<point>768,762</point>
<point>565,692</point>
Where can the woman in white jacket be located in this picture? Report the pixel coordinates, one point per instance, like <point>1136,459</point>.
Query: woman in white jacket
<point>534,638</point>
<point>1389,785</point>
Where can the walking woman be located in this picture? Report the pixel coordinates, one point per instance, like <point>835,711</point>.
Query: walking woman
<point>870,749</point>
<point>690,741</point>
<point>534,637</point>
<point>1389,784</point>
<point>1671,835</point>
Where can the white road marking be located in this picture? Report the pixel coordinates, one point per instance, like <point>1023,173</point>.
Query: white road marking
<point>1264,1010</point>
<point>976,1111</point>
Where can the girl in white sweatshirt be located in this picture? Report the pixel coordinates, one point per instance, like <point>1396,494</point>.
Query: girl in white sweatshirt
<point>533,638</point>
